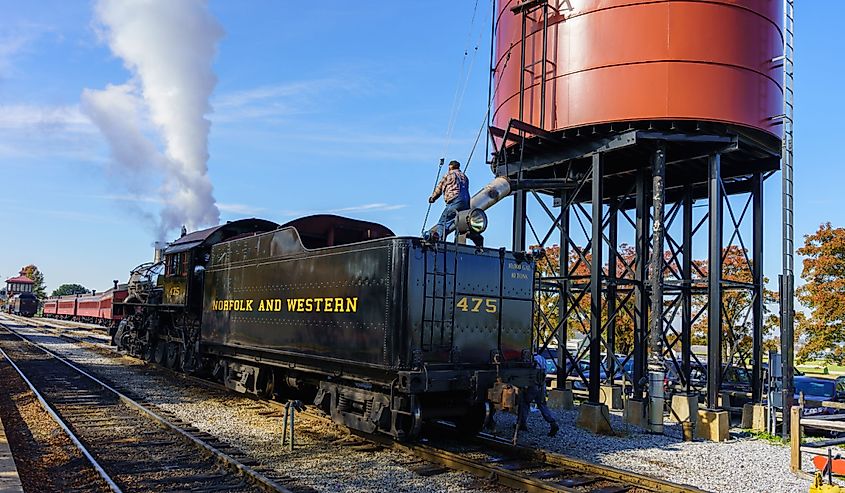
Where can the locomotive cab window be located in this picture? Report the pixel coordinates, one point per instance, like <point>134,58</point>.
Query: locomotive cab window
<point>176,265</point>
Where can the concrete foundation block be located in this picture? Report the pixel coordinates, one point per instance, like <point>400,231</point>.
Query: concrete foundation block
<point>724,400</point>
<point>595,418</point>
<point>747,415</point>
<point>755,416</point>
<point>713,425</point>
<point>560,399</point>
<point>611,396</point>
<point>635,413</point>
<point>684,408</point>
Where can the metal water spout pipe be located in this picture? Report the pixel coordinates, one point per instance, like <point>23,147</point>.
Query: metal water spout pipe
<point>488,196</point>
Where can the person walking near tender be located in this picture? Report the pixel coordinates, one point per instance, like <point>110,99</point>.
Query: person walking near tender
<point>454,186</point>
<point>537,393</point>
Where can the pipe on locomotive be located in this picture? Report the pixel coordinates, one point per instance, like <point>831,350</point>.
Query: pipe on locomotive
<point>487,197</point>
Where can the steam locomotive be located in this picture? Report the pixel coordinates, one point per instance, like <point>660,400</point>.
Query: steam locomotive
<point>382,332</point>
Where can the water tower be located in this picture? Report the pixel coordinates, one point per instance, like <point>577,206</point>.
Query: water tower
<point>636,135</point>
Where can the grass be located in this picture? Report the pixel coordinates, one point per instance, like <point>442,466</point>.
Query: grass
<point>768,437</point>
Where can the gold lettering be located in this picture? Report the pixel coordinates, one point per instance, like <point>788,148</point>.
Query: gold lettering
<point>309,305</point>
<point>319,302</point>
<point>300,304</point>
<point>328,304</point>
<point>249,305</point>
<point>277,305</point>
<point>477,302</point>
<point>352,304</point>
<point>291,305</point>
<point>338,305</point>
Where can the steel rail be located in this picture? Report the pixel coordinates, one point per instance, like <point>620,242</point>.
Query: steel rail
<point>456,461</point>
<point>223,458</point>
<point>96,465</point>
<point>640,480</point>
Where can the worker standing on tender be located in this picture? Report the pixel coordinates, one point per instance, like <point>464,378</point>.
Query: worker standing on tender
<point>454,186</point>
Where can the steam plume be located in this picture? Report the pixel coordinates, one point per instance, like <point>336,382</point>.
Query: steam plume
<point>169,47</point>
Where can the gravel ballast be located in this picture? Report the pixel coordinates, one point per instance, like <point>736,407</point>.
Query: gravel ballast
<point>738,465</point>
<point>319,462</point>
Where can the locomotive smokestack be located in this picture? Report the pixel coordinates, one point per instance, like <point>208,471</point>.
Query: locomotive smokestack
<point>115,284</point>
<point>158,253</point>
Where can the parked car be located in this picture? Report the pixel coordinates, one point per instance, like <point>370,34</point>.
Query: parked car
<point>817,389</point>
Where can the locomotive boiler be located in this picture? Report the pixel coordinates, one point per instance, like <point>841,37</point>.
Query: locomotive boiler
<point>382,331</point>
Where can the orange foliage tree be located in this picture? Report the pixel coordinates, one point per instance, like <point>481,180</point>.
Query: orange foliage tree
<point>822,331</point>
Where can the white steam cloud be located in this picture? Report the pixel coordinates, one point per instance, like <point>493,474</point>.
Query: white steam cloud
<point>169,47</point>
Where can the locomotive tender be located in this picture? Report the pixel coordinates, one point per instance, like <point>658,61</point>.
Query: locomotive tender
<point>23,304</point>
<point>383,331</point>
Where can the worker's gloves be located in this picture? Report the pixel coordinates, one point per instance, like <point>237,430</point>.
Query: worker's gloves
<point>431,199</point>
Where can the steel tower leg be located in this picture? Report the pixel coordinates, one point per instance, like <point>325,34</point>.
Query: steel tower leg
<point>612,236</point>
<point>563,301</point>
<point>596,279</point>
<point>714,282</point>
<point>519,202</point>
<point>686,319</point>
<point>657,248</point>
<point>759,291</point>
<point>656,369</point>
<point>641,274</point>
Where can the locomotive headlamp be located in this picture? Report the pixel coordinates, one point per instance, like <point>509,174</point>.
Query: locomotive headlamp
<point>471,221</point>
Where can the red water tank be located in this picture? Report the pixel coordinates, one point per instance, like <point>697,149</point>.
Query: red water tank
<point>640,60</point>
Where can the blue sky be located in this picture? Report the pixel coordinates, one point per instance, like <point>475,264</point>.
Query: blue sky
<point>327,106</point>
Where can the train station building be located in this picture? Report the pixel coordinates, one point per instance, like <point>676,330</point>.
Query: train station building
<point>19,284</point>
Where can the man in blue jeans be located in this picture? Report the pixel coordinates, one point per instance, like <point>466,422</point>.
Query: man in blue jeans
<point>537,393</point>
<point>454,186</point>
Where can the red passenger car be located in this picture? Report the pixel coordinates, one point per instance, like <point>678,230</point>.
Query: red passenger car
<point>50,307</point>
<point>66,307</point>
<point>96,308</point>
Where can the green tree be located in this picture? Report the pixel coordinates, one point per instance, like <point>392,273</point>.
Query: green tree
<point>822,330</point>
<point>32,272</point>
<point>66,289</point>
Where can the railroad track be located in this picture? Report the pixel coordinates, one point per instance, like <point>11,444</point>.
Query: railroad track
<point>130,445</point>
<point>492,458</point>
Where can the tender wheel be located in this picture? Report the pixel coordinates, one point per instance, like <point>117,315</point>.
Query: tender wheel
<point>267,385</point>
<point>408,426</point>
<point>471,423</point>
<point>160,352</point>
<point>172,356</point>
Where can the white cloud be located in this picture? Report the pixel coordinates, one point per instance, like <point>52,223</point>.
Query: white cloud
<point>44,117</point>
<point>16,40</point>
<point>232,208</point>
<point>241,209</point>
<point>354,209</point>
<point>282,99</point>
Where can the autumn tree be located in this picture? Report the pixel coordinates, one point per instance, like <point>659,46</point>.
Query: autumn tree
<point>578,320</point>
<point>38,288</point>
<point>822,330</point>
<point>66,289</point>
<point>737,306</point>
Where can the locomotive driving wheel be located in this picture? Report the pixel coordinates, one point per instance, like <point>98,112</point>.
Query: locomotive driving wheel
<point>160,352</point>
<point>172,355</point>
<point>149,351</point>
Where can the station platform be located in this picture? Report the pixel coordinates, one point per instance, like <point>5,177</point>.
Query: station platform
<point>10,482</point>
